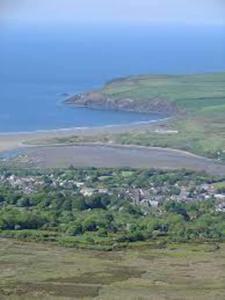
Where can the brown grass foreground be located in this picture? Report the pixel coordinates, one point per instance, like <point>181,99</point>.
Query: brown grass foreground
<point>43,271</point>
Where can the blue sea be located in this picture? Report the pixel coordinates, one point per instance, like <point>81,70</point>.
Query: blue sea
<point>39,67</point>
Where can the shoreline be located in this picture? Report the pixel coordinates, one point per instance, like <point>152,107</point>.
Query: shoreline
<point>13,140</point>
<point>67,129</point>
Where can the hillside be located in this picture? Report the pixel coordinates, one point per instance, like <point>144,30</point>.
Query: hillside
<point>196,102</point>
<point>182,271</point>
<point>147,93</point>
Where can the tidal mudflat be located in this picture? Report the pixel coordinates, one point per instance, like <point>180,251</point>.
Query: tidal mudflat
<point>116,156</point>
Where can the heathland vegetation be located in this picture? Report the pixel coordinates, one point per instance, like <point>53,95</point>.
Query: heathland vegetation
<point>45,271</point>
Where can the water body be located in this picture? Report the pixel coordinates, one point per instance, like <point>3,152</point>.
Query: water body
<point>39,67</point>
<point>7,155</point>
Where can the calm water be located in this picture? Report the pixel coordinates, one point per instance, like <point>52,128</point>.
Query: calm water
<point>37,67</point>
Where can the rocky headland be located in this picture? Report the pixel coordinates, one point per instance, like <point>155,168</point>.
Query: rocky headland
<point>100,100</point>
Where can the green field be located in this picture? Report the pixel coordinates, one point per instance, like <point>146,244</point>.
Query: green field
<point>200,121</point>
<point>180,271</point>
<point>193,93</point>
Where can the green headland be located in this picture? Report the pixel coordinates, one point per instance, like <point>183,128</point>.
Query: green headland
<point>195,103</point>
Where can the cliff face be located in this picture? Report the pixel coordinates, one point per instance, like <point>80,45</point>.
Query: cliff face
<point>100,100</point>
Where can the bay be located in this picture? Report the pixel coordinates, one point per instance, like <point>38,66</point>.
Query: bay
<point>40,67</point>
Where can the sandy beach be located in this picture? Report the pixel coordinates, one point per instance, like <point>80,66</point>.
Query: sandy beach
<point>11,141</point>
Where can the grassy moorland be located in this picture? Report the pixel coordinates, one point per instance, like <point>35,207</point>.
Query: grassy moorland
<point>197,103</point>
<point>44,271</point>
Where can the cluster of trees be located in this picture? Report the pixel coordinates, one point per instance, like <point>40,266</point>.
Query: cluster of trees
<point>177,222</point>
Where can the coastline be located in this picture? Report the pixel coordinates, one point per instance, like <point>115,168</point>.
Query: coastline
<point>184,119</point>
<point>96,100</point>
<point>100,154</point>
<point>13,140</point>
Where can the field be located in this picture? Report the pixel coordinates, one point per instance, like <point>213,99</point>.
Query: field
<point>200,100</point>
<point>180,271</point>
<point>194,92</point>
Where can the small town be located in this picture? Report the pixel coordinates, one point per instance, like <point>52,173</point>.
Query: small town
<point>150,194</point>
